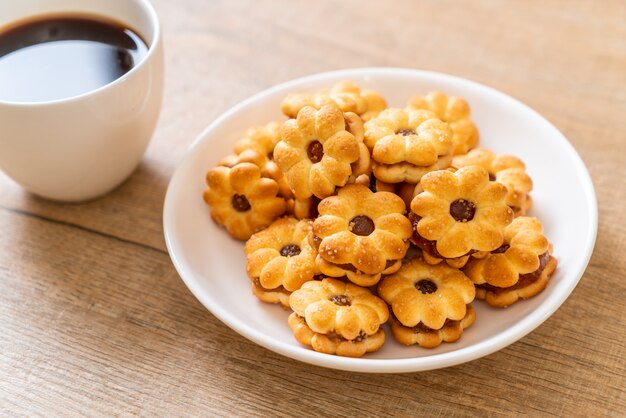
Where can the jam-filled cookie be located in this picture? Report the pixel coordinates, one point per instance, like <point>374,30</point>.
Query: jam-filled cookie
<point>345,94</point>
<point>262,139</point>
<point>280,259</point>
<point>459,213</point>
<point>406,144</point>
<point>427,298</point>
<point>456,112</point>
<point>317,151</point>
<point>361,234</point>
<point>505,169</point>
<point>241,200</point>
<point>520,268</point>
<point>336,317</point>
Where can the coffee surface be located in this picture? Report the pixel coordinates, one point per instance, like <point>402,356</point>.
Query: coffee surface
<point>57,57</point>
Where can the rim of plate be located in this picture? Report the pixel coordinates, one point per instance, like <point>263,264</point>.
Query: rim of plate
<point>435,361</point>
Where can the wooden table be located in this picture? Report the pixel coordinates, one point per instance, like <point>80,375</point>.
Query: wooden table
<point>94,319</point>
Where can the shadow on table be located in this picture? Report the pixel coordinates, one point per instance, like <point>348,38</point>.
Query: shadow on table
<point>132,211</point>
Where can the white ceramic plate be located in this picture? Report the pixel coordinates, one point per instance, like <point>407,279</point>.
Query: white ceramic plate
<point>213,265</point>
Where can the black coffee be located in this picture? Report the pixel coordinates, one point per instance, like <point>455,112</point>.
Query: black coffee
<point>55,57</point>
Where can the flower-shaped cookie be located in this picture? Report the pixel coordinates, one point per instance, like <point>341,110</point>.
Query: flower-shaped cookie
<point>316,152</point>
<point>280,257</point>
<point>460,212</point>
<point>262,139</point>
<point>241,200</point>
<point>420,293</point>
<point>456,112</point>
<point>336,317</point>
<point>406,144</point>
<point>523,260</point>
<point>346,94</point>
<point>431,338</point>
<point>528,285</point>
<point>505,169</point>
<point>361,234</point>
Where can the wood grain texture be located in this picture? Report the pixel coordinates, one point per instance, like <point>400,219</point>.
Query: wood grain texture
<point>95,321</point>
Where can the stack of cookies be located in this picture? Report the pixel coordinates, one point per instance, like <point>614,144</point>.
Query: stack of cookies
<point>356,215</point>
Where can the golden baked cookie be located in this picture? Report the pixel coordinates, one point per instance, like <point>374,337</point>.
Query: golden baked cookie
<point>528,285</point>
<point>505,169</point>
<point>241,200</point>
<point>406,144</point>
<point>316,152</point>
<point>332,343</point>
<point>268,168</point>
<point>345,94</point>
<point>431,338</point>
<point>262,139</point>
<point>458,213</point>
<point>361,234</point>
<point>421,294</point>
<point>456,112</point>
<point>336,317</point>
<point>280,258</point>
<point>520,268</point>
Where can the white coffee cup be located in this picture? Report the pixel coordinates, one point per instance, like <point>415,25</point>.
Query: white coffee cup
<point>81,147</point>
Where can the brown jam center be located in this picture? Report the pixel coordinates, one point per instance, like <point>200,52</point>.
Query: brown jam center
<point>240,203</point>
<point>501,249</point>
<point>426,286</point>
<point>462,210</point>
<point>361,225</point>
<point>406,132</point>
<point>290,250</point>
<point>315,151</point>
<point>341,300</point>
